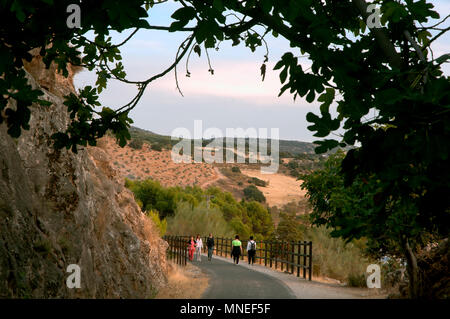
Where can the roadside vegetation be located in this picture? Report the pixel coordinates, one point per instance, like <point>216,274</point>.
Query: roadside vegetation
<point>175,205</point>
<point>333,257</point>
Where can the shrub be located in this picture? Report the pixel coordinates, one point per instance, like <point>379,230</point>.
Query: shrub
<point>156,147</point>
<point>235,169</point>
<point>190,220</point>
<point>288,229</point>
<point>160,224</point>
<point>240,228</point>
<point>244,218</point>
<point>253,193</point>
<point>357,280</point>
<point>292,165</point>
<point>257,182</point>
<point>336,259</point>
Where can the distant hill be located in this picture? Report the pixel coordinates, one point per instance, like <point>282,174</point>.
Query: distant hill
<point>286,146</point>
<point>296,147</point>
<point>150,137</point>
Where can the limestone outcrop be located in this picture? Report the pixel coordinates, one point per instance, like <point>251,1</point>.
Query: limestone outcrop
<point>59,208</point>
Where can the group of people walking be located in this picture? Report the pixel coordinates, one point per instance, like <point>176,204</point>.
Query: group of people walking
<point>195,247</point>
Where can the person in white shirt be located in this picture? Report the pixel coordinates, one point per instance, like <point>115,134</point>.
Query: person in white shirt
<point>251,250</point>
<point>198,248</point>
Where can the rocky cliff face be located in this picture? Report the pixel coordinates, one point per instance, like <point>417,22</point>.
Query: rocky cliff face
<point>59,208</point>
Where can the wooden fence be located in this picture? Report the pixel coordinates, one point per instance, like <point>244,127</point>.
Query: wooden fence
<point>290,257</point>
<point>177,250</point>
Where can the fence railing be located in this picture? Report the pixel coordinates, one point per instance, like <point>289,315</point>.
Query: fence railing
<point>177,250</point>
<point>290,257</point>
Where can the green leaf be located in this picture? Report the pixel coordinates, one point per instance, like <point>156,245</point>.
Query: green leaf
<point>184,14</point>
<point>218,5</point>
<point>443,58</point>
<point>198,50</point>
<point>263,71</point>
<point>17,7</point>
<point>325,146</point>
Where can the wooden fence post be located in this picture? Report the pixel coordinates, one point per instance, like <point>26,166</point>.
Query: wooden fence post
<point>310,260</point>
<point>174,248</point>
<point>299,251</point>
<point>304,259</point>
<point>185,253</point>
<point>265,254</point>
<point>180,250</point>
<point>292,257</point>
<point>270,255</point>
<point>277,250</point>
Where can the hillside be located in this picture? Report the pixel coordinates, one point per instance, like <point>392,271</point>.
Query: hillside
<point>147,163</point>
<point>143,162</point>
<point>286,146</point>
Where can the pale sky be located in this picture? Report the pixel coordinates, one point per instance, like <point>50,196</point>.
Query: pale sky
<point>233,97</point>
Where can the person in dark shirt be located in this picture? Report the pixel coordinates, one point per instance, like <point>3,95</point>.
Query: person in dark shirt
<point>251,250</point>
<point>210,245</point>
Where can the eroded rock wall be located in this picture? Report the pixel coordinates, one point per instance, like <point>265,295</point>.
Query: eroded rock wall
<point>59,208</point>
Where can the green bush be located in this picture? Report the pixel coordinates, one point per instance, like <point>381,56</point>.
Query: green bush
<point>243,217</point>
<point>240,228</point>
<point>136,144</point>
<point>289,228</point>
<point>292,165</point>
<point>161,224</point>
<point>156,147</point>
<point>257,182</point>
<point>201,220</point>
<point>235,169</point>
<point>253,193</point>
<point>153,196</point>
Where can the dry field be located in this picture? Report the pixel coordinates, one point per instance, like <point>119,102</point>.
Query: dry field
<point>281,189</point>
<point>147,163</point>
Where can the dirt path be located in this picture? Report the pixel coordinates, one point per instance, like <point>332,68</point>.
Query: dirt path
<point>218,176</point>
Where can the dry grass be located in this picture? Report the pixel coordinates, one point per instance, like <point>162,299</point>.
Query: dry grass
<point>147,163</point>
<point>187,282</point>
<point>281,189</point>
